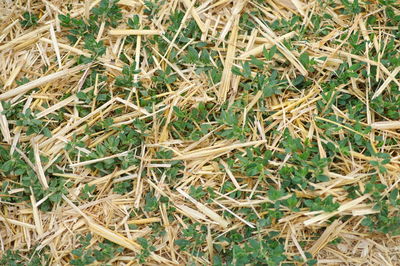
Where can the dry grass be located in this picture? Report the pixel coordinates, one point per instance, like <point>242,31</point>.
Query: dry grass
<point>44,55</point>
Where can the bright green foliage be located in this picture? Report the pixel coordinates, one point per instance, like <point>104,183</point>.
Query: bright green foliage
<point>126,80</point>
<point>34,258</point>
<point>84,255</point>
<point>33,125</point>
<point>268,250</point>
<point>107,11</point>
<point>319,204</point>
<point>29,20</point>
<point>147,249</point>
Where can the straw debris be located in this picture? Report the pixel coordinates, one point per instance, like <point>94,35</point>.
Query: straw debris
<point>196,132</point>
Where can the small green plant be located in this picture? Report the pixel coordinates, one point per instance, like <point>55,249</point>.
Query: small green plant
<point>29,20</point>
<point>151,202</point>
<point>86,256</point>
<point>193,238</point>
<point>307,62</point>
<point>326,204</point>
<point>33,258</point>
<point>268,250</point>
<point>152,7</point>
<point>123,187</point>
<point>197,193</point>
<point>96,48</point>
<point>172,172</point>
<point>147,249</point>
<point>11,258</point>
<point>126,80</point>
<point>161,78</point>
<point>233,130</point>
<point>107,11</point>
<point>351,7</point>
<point>32,124</point>
<point>57,188</point>
<point>87,192</point>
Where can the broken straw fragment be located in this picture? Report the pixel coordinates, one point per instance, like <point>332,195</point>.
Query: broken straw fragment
<point>40,81</point>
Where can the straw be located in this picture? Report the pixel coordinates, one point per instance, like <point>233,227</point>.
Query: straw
<point>169,130</point>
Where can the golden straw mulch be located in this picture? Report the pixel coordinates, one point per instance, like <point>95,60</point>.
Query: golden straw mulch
<point>199,132</point>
